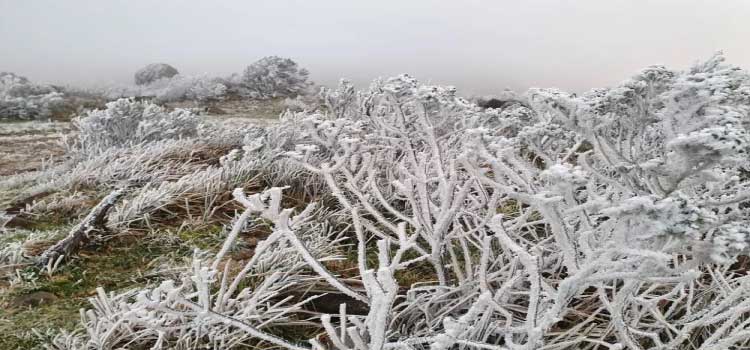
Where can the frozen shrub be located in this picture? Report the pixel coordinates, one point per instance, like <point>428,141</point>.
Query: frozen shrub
<point>204,89</point>
<point>126,123</point>
<point>22,99</point>
<point>18,86</point>
<point>177,88</point>
<point>612,220</point>
<point>153,72</point>
<point>185,88</point>
<point>269,77</point>
<point>637,185</point>
<point>341,101</point>
<point>272,76</point>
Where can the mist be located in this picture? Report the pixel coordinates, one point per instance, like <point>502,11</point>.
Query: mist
<point>481,47</point>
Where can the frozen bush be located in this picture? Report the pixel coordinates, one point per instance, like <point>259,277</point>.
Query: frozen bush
<point>177,88</point>
<point>341,101</point>
<point>615,219</point>
<point>273,76</point>
<point>22,99</point>
<point>154,72</point>
<point>126,123</point>
<point>269,77</point>
<point>639,185</point>
<point>182,88</point>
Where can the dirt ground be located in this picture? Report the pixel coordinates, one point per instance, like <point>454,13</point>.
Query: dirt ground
<point>25,146</point>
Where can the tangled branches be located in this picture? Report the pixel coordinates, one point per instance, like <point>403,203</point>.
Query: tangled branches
<point>617,219</point>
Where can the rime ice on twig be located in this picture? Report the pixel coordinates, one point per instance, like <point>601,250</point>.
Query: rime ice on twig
<point>80,234</point>
<point>607,220</point>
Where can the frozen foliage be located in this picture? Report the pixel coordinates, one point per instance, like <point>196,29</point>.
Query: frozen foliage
<point>213,305</point>
<point>126,123</point>
<point>612,220</point>
<point>174,158</point>
<point>272,76</point>
<point>14,248</point>
<point>174,89</point>
<point>22,99</point>
<point>639,186</point>
<point>154,72</point>
<point>269,77</point>
<point>182,88</point>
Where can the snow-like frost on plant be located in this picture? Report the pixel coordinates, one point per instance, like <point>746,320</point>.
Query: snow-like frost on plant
<point>615,219</point>
<point>22,99</point>
<point>126,122</point>
<point>270,77</point>
<point>154,72</point>
<point>213,303</point>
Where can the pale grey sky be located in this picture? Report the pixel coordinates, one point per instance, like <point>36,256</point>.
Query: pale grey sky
<point>479,46</point>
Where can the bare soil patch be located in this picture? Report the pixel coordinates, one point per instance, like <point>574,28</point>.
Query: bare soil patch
<point>25,146</point>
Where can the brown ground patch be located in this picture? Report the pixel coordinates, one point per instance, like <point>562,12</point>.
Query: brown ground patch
<point>25,146</point>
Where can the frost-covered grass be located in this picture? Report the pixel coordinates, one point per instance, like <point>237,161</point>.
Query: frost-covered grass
<point>616,219</point>
<point>126,262</point>
<point>14,128</point>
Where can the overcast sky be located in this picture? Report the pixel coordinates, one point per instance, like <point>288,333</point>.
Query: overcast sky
<point>479,46</point>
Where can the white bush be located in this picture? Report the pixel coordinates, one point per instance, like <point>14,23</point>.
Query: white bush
<point>154,72</point>
<point>180,88</point>
<point>22,99</point>
<point>609,220</point>
<point>175,89</point>
<point>269,77</point>
<point>272,76</point>
<point>640,186</point>
<point>126,123</point>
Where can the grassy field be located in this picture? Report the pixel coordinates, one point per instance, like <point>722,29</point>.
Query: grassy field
<point>33,302</point>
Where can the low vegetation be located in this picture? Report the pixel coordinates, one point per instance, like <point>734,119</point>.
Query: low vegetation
<point>401,216</point>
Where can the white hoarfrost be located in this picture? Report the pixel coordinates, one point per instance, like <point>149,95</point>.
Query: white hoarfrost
<point>269,77</point>
<point>272,76</point>
<point>22,99</point>
<point>175,88</point>
<point>126,123</point>
<point>612,220</point>
<point>154,72</point>
<point>209,304</point>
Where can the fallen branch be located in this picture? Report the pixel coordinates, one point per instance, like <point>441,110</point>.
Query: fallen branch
<point>80,234</point>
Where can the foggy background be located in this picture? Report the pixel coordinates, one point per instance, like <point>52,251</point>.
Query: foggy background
<point>481,47</point>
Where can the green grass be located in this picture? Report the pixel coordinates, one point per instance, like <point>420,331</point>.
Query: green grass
<point>16,325</point>
<point>208,238</point>
<point>119,264</point>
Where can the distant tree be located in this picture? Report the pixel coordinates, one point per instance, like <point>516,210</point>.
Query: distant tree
<point>22,99</point>
<point>153,72</point>
<point>272,76</point>
<point>8,79</point>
